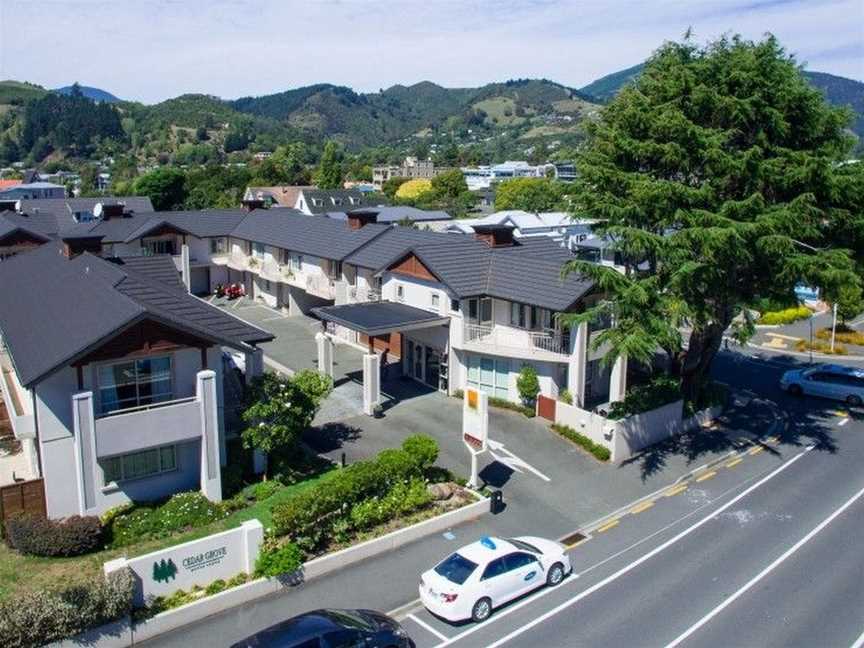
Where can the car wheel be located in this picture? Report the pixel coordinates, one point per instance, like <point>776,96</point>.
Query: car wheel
<point>555,574</point>
<point>481,610</point>
<point>853,401</point>
<point>795,390</point>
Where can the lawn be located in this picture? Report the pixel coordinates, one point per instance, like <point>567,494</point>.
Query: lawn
<point>20,573</point>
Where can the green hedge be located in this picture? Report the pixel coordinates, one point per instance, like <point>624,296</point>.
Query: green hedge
<point>275,561</point>
<point>662,390</point>
<point>599,451</point>
<point>311,518</point>
<point>785,316</point>
<point>40,617</point>
<point>39,536</point>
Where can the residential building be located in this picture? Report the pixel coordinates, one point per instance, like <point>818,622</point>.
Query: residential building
<point>314,202</point>
<point>401,214</point>
<point>33,190</point>
<point>112,375</point>
<point>411,168</point>
<point>283,196</point>
<point>559,226</point>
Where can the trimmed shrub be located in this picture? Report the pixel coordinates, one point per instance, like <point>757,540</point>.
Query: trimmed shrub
<point>263,490</point>
<point>215,587</point>
<point>565,396</point>
<point>422,449</point>
<point>662,390</point>
<point>37,618</point>
<point>276,561</point>
<point>601,452</point>
<point>39,536</point>
<point>785,316</point>
<point>309,518</point>
<point>528,385</point>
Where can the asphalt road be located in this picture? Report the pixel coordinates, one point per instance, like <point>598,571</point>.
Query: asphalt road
<point>764,552</point>
<point>752,552</point>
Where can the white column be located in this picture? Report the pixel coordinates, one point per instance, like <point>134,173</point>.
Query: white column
<point>211,477</point>
<point>185,272</point>
<point>371,382</point>
<point>84,428</point>
<point>253,538</point>
<point>325,353</point>
<point>577,364</point>
<point>618,380</point>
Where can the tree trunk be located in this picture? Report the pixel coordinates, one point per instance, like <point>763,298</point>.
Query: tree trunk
<point>704,344</point>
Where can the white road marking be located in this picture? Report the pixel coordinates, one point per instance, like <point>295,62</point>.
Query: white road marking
<point>753,581</point>
<point>621,572</point>
<point>859,643</point>
<point>843,422</point>
<point>512,461</point>
<point>426,626</point>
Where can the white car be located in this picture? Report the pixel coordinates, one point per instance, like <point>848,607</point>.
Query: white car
<point>484,575</point>
<point>836,382</point>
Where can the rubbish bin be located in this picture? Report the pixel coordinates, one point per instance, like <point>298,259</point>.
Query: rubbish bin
<point>496,502</point>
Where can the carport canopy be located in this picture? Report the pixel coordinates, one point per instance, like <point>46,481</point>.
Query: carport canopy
<point>380,318</point>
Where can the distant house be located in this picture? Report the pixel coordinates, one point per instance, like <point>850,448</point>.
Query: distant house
<point>399,214</point>
<point>284,195</point>
<point>321,201</point>
<point>8,184</point>
<point>556,225</point>
<point>33,190</point>
<point>262,155</point>
<point>411,168</point>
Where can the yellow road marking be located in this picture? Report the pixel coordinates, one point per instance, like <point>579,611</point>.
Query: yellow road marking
<point>707,475</point>
<point>644,506</point>
<point>841,413</point>
<point>773,439</point>
<point>576,544</point>
<point>734,462</point>
<point>676,489</point>
<point>784,337</point>
<point>756,450</point>
<point>608,525</point>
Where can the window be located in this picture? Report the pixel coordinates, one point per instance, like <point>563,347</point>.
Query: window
<point>258,250</point>
<point>457,568</point>
<point>334,269</point>
<point>454,305</point>
<point>296,262</point>
<point>495,568</point>
<point>139,464</point>
<point>518,560</point>
<point>344,639</point>
<point>400,292</point>
<point>517,315</point>
<point>218,245</point>
<point>131,384</point>
<point>436,301</point>
<point>159,247</point>
<point>490,375</point>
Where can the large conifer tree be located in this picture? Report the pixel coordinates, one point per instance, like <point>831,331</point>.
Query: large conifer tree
<point>719,174</point>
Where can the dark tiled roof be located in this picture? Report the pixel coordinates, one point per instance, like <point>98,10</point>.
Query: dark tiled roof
<point>395,214</point>
<point>54,309</point>
<point>291,230</point>
<point>160,267</point>
<point>384,248</point>
<point>378,318</point>
<point>56,214</point>
<point>10,222</point>
<point>203,224</point>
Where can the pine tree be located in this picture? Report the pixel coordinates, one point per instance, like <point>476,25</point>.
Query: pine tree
<point>719,177</point>
<point>329,174</point>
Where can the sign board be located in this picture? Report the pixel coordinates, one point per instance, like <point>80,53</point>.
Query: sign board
<point>199,562</point>
<point>475,420</point>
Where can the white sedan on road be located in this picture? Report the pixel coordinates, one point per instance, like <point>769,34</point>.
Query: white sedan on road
<point>484,575</point>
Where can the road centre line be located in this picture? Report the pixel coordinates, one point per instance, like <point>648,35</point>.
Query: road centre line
<point>610,524</point>
<point>675,490</point>
<point>734,462</point>
<point>621,572</point>
<point>707,475</point>
<point>644,506</point>
<point>755,450</point>
<point>753,581</point>
<point>427,627</point>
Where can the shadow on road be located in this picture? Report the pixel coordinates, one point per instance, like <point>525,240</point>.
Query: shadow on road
<point>330,436</point>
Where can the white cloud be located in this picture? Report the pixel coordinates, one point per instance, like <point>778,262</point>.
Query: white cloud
<point>160,48</point>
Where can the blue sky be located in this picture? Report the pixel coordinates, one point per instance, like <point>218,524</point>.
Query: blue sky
<point>151,50</point>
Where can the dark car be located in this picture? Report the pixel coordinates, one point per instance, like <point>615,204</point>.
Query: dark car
<point>332,629</point>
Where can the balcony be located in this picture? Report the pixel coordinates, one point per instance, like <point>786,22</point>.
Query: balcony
<point>132,429</point>
<point>503,340</point>
<point>320,286</point>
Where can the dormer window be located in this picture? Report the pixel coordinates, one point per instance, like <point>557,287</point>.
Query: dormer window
<point>336,201</point>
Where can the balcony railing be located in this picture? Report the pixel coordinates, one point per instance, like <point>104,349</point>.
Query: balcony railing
<point>358,295</point>
<point>134,428</point>
<point>145,408</point>
<point>517,339</point>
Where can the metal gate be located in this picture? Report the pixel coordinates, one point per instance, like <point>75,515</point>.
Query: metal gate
<point>22,497</point>
<point>546,407</point>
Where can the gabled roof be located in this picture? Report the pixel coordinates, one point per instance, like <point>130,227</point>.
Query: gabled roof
<point>292,230</point>
<point>55,214</point>
<point>285,195</point>
<point>55,310</point>
<point>10,222</point>
<point>527,272</point>
<point>377,252</point>
<point>387,214</point>
<point>332,199</point>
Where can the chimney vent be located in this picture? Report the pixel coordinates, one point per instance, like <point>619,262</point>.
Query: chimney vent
<point>361,217</point>
<point>494,235</point>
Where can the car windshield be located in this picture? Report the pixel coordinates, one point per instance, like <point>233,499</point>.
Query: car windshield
<point>456,568</point>
<point>521,544</point>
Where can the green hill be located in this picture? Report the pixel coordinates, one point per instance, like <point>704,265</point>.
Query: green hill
<point>19,92</point>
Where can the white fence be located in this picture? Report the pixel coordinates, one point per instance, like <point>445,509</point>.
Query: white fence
<point>199,562</point>
<point>626,437</point>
